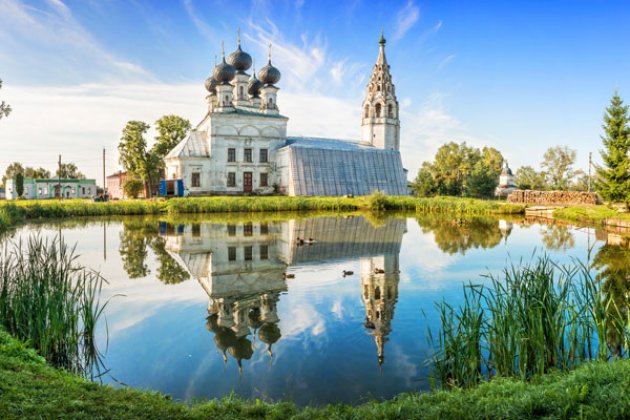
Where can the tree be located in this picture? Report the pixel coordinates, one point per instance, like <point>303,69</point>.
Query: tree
<point>69,171</point>
<point>134,157</point>
<point>613,178</point>
<point>5,109</point>
<point>133,187</point>
<point>171,129</point>
<point>482,182</point>
<point>526,178</point>
<point>39,173</point>
<point>424,184</point>
<point>558,163</point>
<point>19,184</point>
<point>11,171</point>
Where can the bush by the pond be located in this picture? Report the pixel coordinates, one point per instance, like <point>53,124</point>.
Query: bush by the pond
<point>49,300</point>
<point>534,318</point>
<point>30,388</point>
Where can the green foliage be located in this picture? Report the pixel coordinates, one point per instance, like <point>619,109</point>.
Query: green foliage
<point>613,178</point>
<point>171,129</point>
<point>5,109</point>
<point>36,173</point>
<point>377,201</point>
<point>68,171</point>
<point>526,178</point>
<point>482,182</point>
<point>460,170</point>
<point>133,187</point>
<point>532,319</point>
<point>11,171</point>
<point>558,164</point>
<point>46,298</point>
<point>32,389</point>
<point>133,154</point>
<point>19,184</point>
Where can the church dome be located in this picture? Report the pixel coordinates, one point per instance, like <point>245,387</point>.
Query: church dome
<point>211,85</point>
<point>224,73</point>
<point>240,60</point>
<point>269,75</point>
<point>254,86</point>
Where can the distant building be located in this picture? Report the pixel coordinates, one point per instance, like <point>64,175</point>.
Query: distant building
<point>506,182</point>
<point>36,189</point>
<point>241,146</point>
<point>2,195</point>
<point>115,185</point>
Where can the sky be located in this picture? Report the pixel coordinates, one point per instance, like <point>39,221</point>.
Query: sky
<point>520,76</point>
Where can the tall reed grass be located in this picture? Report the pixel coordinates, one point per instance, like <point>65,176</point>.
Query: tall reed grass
<point>534,318</point>
<point>47,298</point>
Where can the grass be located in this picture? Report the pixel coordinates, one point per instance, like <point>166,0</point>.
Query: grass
<point>30,388</point>
<point>13,212</point>
<point>590,215</point>
<point>47,299</point>
<point>534,318</point>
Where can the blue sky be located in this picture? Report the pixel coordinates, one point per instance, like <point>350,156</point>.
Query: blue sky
<point>519,76</point>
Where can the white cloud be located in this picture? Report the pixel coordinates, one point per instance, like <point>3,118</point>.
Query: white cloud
<point>406,19</point>
<point>47,43</point>
<point>446,61</point>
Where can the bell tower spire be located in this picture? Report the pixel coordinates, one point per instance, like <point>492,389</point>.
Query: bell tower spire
<point>380,124</point>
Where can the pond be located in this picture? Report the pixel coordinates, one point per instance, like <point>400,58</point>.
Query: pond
<point>203,306</point>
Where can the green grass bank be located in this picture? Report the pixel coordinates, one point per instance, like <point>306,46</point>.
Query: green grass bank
<point>30,388</point>
<point>14,212</point>
<point>595,215</point>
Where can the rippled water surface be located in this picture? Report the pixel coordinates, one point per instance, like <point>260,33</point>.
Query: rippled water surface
<point>200,307</point>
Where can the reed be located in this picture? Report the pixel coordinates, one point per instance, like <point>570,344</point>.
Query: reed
<point>533,318</point>
<point>51,301</point>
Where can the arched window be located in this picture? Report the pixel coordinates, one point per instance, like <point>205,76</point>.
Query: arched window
<point>367,111</point>
<point>226,100</point>
<point>270,101</point>
<point>378,110</point>
<point>390,111</point>
<point>378,88</point>
<point>241,94</point>
<point>377,293</point>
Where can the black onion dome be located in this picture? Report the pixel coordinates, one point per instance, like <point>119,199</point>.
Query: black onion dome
<point>211,85</point>
<point>223,73</point>
<point>269,75</point>
<point>254,86</point>
<point>240,60</point>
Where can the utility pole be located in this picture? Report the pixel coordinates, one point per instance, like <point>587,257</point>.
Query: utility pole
<point>104,180</point>
<point>590,164</point>
<point>59,179</point>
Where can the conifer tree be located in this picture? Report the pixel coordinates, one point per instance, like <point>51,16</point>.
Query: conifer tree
<point>613,177</point>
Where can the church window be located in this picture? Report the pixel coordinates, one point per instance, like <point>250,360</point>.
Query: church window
<point>270,101</point>
<point>231,230</point>
<point>231,154</point>
<point>264,180</point>
<point>367,111</point>
<point>377,293</point>
<point>248,229</point>
<point>264,228</point>
<point>378,88</point>
<point>240,92</point>
<point>248,253</point>
<point>231,253</point>
<point>248,156</point>
<point>378,314</point>
<point>390,111</point>
<point>264,252</point>
<point>264,156</point>
<point>195,180</point>
<point>378,110</point>
<point>231,179</point>
<point>196,230</point>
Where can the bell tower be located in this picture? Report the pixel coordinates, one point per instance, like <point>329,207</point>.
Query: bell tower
<point>380,124</point>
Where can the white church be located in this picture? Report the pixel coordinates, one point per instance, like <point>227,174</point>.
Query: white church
<point>241,145</point>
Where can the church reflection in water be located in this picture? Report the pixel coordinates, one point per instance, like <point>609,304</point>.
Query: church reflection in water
<point>243,267</point>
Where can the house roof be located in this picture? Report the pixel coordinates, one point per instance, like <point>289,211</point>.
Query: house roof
<point>195,145</point>
<point>324,143</point>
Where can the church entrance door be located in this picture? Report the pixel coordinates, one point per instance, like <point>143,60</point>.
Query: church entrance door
<point>247,182</point>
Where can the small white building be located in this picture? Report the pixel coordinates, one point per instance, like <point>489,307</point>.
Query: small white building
<point>36,189</point>
<point>506,182</point>
<point>241,146</point>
